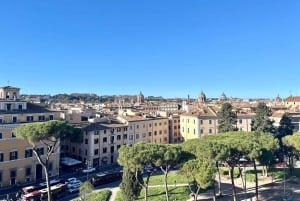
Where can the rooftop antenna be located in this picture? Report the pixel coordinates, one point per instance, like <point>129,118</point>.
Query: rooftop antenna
<point>7,82</point>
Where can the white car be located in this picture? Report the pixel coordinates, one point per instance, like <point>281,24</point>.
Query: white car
<point>74,189</point>
<point>74,184</point>
<point>71,180</point>
<point>88,170</point>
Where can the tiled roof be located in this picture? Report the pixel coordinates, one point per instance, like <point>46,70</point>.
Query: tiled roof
<point>292,99</point>
<point>31,108</point>
<point>102,126</point>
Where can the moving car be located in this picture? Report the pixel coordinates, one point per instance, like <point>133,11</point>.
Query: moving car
<point>88,170</point>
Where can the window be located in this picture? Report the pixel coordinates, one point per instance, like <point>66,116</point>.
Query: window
<point>96,151</point>
<point>155,132</point>
<point>194,131</point>
<point>96,133</point>
<point>0,136</point>
<point>104,131</point>
<point>160,132</point>
<point>15,119</point>
<point>86,141</point>
<point>130,137</point>
<point>201,121</point>
<point>40,151</point>
<point>160,123</point>
<point>42,118</point>
<point>194,121</point>
<point>112,149</point>
<point>13,135</point>
<point>165,139</point>
<point>144,135</point>
<point>149,134</point>
<point>188,130</point>
<point>175,127</point>
<point>96,140</point>
<point>51,117</point>
<point>137,136</point>
<point>1,121</point>
<point>28,171</point>
<point>155,124</point>
<point>104,139</point>
<point>28,153</point>
<point>30,118</point>
<point>201,131</point>
<point>210,131</point>
<point>13,155</point>
<point>1,157</point>
<point>149,125</point>
<point>13,174</point>
<point>125,136</point>
<point>240,121</point>
<point>118,137</point>
<point>50,166</point>
<point>210,121</point>
<point>73,149</point>
<point>112,139</point>
<point>118,147</point>
<point>104,149</point>
<point>137,126</point>
<point>125,129</point>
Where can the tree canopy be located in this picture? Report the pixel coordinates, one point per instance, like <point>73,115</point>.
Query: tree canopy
<point>261,121</point>
<point>226,118</point>
<point>45,133</point>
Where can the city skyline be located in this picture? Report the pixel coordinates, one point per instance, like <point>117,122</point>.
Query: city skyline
<point>169,49</point>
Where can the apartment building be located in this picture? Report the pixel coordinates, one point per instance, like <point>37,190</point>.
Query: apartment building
<point>244,121</point>
<point>101,140</point>
<point>18,164</point>
<point>198,123</point>
<point>174,129</point>
<point>292,102</point>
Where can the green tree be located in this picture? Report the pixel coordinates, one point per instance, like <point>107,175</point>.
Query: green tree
<point>226,118</point>
<point>292,140</point>
<point>86,189</point>
<point>136,158</point>
<point>261,121</point>
<point>44,133</point>
<point>200,174</point>
<point>166,156</point>
<point>130,185</point>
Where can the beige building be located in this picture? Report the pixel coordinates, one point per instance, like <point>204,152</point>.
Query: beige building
<point>174,129</point>
<point>292,103</point>
<point>18,164</point>
<point>199,123</point>
<point>101,140</point>
<point>244,122</point>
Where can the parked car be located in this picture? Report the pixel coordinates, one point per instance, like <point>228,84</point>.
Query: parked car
<point>74,189</point>
<point>88,170</point>
<point>74,184</point>
<point>71,180</point>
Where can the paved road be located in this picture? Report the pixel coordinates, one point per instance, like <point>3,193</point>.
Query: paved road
<point>11,191</point>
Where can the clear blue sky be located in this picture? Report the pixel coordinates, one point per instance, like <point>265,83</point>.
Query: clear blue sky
<point>245,48</point>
